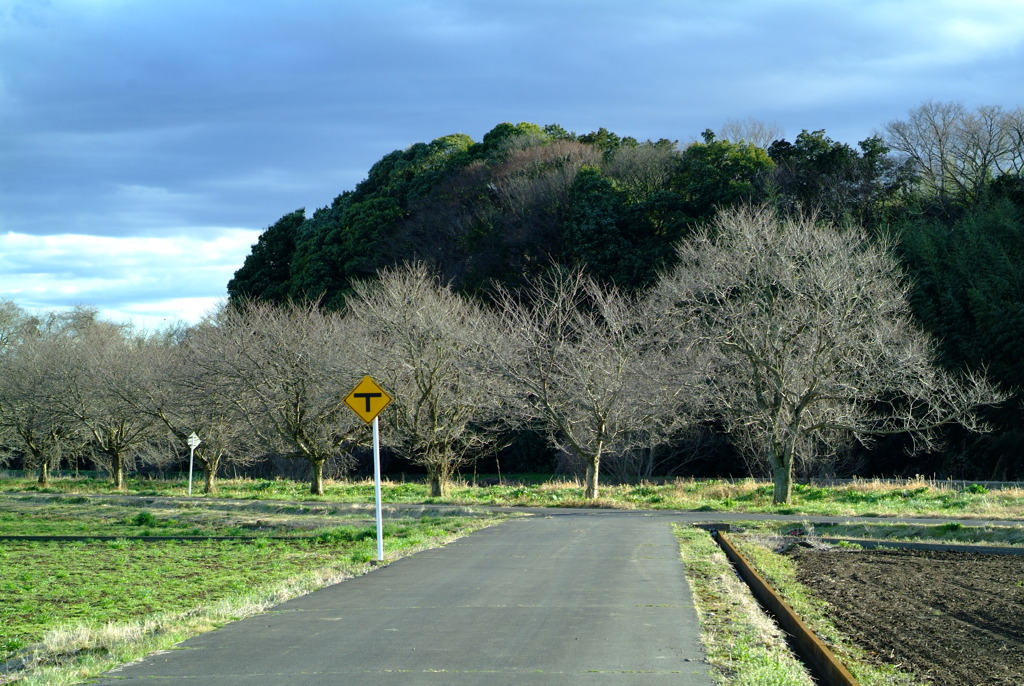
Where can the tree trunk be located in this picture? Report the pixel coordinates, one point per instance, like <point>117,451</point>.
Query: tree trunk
<point>440,467</point>
<point>593,468</point>
<point>782,472</point>
<point>438,485</point>
<point>782,477</point>
<point>117,471</point>
<point>44,472</point>
<point>210,470</point>
<point>316,470</point>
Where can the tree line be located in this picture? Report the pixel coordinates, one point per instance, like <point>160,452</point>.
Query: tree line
<point>940,188</point>
<point>787,332</point>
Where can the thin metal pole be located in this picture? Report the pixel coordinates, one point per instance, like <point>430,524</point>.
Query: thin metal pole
<point>376,489</point>
<point>191,459</point>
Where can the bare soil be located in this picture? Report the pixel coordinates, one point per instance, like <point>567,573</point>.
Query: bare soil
<point>955,619</point>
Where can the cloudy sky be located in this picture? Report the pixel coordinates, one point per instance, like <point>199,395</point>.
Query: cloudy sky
<point>144,144</point>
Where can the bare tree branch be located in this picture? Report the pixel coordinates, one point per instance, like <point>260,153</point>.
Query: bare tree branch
<point>811,337</point>
<point>427,346</point>
<point>286,369</point>
<point>584,370</point>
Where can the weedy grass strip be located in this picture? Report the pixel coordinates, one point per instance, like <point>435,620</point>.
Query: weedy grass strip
<point>780,571</point>
<point>744,646</point>
<point>823,663</point>
<point>916,497</point>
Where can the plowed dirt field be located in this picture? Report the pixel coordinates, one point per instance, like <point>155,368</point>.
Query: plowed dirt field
<point>955,619</point>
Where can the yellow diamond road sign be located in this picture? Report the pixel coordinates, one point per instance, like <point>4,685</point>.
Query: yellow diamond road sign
<point>367,399</point>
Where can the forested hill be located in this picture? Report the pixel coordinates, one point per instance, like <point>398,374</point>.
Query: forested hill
<point>527,197</point>
<point>945,183</point>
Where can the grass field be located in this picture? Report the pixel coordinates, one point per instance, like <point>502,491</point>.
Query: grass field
<point>73,609</point>
<point>70,609</point>
<point>744,646</point>
<point>871,498</point>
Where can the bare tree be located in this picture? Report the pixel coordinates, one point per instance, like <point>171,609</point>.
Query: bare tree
<point>927,137</point>
<point>584,370</point>
<point>956,151</point>
<point>643,170</point>
<point>286,369</point>
<point>428,347</point>
<point>187,397</point>
<point>1013,126</point>
<point>983,144</point>
<point>13,324</point>
<point>812,339</point>
<point>533,181</point>
<point>29,419</point>
<point>751,130</point>
<point>97,368</point>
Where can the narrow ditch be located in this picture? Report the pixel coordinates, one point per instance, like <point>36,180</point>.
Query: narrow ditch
<point>823,664</point>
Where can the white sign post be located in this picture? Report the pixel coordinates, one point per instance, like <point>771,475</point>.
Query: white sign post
<point>193,443</point>
<point>367,399</point>
<point>376,490</point>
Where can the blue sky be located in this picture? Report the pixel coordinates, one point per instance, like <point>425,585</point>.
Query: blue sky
<point>145,143</point>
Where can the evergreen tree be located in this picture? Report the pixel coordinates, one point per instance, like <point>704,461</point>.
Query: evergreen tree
<point>266,271</point>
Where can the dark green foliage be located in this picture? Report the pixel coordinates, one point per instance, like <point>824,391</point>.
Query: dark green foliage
<point>843,184</point>
<point>968,291</point>
<point>145,519</point>
<point>479,213</point>
<point>592,235</point>
<point>498,138</point>
<point>313,273</point>
<point>264,276</point>
<point>717,174</point>
<point>607,141</point>
<point>617,241</point>
<point>343,247</point>
<point>528,198</point>
<point>1009,187</point>
<point>969,287</point>
<point>356,235</point>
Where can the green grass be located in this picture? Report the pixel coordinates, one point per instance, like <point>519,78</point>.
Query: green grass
<point>959,533</point>
<point>111,521</point>
<point>743,645</point>
<point>78,608</point>
<point>47,585</point>
<point>87,606</point>
<point>44,585</point>
<point>909,498</point>
<point>948,532</point>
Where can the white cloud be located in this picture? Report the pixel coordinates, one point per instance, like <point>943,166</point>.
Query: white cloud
<point>162,119</point>
<point>150,281</point>
<point>932,35</point>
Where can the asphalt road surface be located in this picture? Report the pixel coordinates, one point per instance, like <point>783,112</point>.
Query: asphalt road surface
<point>566,598</point>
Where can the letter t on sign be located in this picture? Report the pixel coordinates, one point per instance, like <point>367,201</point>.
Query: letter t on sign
<point>368,397</point>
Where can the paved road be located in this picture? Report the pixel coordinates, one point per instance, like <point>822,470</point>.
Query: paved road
<point>567,598</point>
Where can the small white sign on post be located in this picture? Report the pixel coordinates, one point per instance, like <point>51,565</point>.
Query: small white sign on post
<point>193,443</point>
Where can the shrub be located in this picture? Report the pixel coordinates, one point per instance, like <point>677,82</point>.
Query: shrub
<point>145,519</point>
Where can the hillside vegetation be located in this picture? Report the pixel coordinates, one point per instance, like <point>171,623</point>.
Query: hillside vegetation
<point>943,185</point>
<point>585,304</point>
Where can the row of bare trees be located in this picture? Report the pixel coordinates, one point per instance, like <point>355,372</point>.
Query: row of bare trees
<point>958,152</point>
<point>792,335</point>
